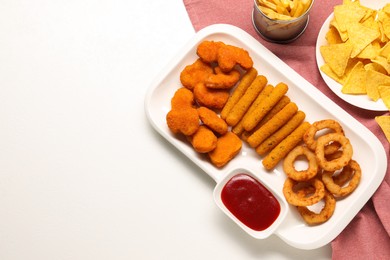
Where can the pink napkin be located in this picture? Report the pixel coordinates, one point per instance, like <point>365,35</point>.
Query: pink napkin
<point>368,235</point>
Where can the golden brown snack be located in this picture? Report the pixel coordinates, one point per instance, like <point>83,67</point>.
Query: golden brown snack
<point>324,215</point>
<point>238,91</point>
<point>204,140</point>
<point>211,98</point>
<point>212,120</point>
<point>183,98</point>
<point>327,124</point>
<point>184,121</point>
<point>282,133</point>
<point>272,125</point>
<point>240,108</point>
<point>222,80</point>
<point>291,187</point>
<point>230,56</point>
<point>227,148</point>
<point>285,146</point>
<point>259,113</point>
<point>300,175</point>
<point>279,106</point>
<point>238,129</point>
<point>208,50</point>
<point>194,73</point>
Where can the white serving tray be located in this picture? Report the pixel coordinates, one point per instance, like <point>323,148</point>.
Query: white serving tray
<point>368,151</point>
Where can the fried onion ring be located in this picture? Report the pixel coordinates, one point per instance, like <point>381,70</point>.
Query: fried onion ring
<point>303,175</point>
<point>296,198</point>
<point>313,218</point>
<point>309,136</point>
<point>338,189</point>
<point>337,163</point>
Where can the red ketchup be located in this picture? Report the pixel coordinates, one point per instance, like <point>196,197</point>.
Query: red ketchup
<point>252,203</point>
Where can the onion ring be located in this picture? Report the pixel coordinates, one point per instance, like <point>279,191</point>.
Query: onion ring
<point>296,198</point>
<point>309,136</point>
<point>337,189</point>
<point>303,175</point>
<point>338,163</point>
<point>327,211</point>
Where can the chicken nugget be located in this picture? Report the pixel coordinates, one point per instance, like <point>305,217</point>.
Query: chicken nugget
<point>204,140</point>
<point>208,51</point>
<point>228,146</point>
<point>183,98</point>
<point>184,121</point>
<point>212,120</point>
<point>195,73</point>
<point>222,80</point>
<point>228,56</point>
<point>211,98</point>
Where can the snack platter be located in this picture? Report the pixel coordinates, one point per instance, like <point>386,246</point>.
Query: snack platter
<point>368,150</point>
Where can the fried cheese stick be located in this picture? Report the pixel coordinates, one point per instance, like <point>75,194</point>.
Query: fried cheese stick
<point>240,108</point>
<point>238,129</point>
<point>279,91</point>
<point>279,135</point>
<point>242,86</point>
<point>285,146</point>
<point>279,106</point>
<point>272,125</point>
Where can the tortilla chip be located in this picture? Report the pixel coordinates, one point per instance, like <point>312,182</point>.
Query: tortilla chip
<point>383,62</point>
<point>374,80</point>
<point>384,92</point>
<point>385,50</point>
<point>348,13</point>
<point>360,36</point>
<point>384,123</point>
<point>371,51</point>
<point>356,81</point>
<point>337,56</point>
<point>376,67</point>
<point>333,36</point>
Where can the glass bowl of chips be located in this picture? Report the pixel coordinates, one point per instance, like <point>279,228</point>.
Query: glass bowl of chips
<point>281,21</point>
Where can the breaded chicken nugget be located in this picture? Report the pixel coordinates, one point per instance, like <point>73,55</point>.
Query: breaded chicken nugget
<point>183,98</point>
<point>195,73</point>
<point>227,148</point>
<point>222,80</point>
<point>211,98</point>
<point>229,56</point>
<point>184,121</point>
<point>212,120</point>
<point>204,140</point>
<point>208,50</point>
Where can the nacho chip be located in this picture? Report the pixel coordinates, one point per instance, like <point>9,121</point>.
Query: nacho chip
<point>337,56</point>
<point>371,51</point>
<point>383,62</point>
<point>374,80</point>
<point>376,67</point>
<point>384,92</point>
<point>356,81</point>
<point>360,36</point>
<point>333,36</point>
<point>348,13</point>
<point>384,123</point>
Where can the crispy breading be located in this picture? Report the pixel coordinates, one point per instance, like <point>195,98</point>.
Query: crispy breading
<point>211,98</point>
<point>185,121</point>
<point>183,97</point>
<point>195,73</point>
<point>212,120</point>
<point>228,146</point>
<point>230,56</point>
<point>208,50</point>
<point>204,140</point>
<point>222,80</point>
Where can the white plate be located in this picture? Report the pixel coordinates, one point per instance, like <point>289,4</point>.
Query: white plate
<point>369,151</point>
<point>362,101</point>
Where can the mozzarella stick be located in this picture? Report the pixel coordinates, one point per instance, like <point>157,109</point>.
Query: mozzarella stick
<point>279,135</point>
<point>279,106</point>
<point>240,108</point>
<point>285,146</point>
<point>258,114</point>
<point>238,129</point>
<point>272,125</point>
<point>242,86</point>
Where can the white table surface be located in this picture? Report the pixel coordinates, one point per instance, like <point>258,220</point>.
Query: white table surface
<point>83,175</point>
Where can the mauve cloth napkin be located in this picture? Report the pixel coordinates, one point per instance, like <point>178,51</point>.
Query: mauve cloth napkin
<point>368,235</point>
